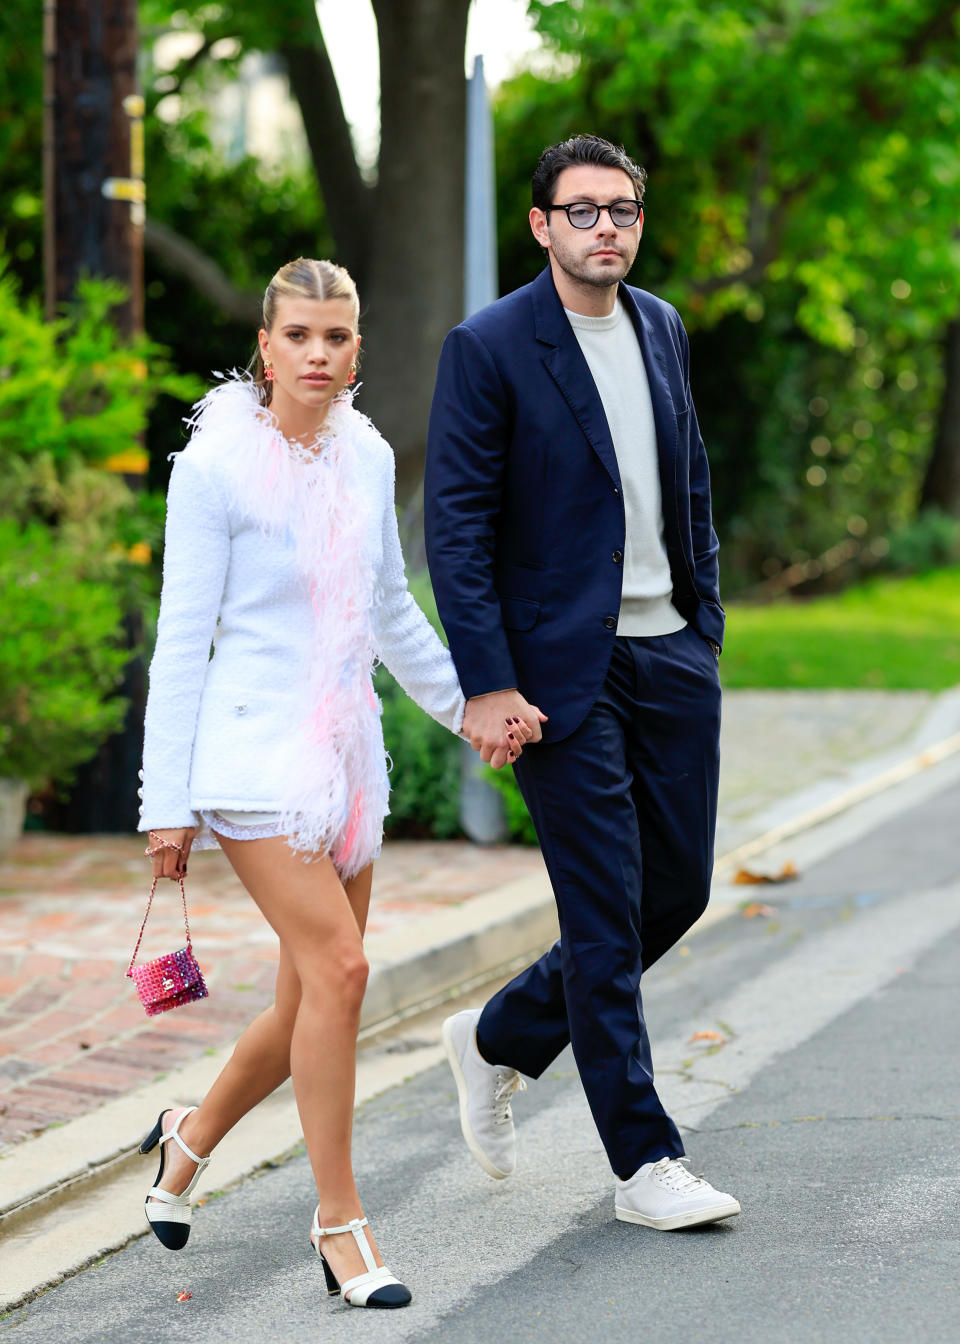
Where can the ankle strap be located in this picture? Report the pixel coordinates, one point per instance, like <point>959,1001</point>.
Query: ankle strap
<point>356,1226</point>
<point>353,1224</point>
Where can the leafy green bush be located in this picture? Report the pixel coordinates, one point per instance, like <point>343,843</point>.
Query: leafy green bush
<point>73,388</point>
<point>520,827</point>
<point>61,657</point>
<point>75,539</point>
<point>930,541</point>
<point>425,778</point>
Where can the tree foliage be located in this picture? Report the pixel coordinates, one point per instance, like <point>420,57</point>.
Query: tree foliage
<point>801,213</point>
<point>809,141</point>
<point>400,234</point>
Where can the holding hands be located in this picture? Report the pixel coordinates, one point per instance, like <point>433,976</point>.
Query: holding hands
<point>499,725</point>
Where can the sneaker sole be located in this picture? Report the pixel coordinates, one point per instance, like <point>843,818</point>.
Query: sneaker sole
<point>713,1214</point>
<point>479,1155</point>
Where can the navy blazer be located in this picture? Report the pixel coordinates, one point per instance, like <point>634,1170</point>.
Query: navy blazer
<point>523,511</point>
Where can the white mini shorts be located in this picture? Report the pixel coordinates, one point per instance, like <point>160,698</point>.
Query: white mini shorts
<point>243,825</point>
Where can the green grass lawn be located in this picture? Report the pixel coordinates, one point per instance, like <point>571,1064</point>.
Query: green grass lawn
<point>886,634</point>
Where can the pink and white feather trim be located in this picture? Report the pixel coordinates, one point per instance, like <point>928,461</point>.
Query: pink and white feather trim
<point>336,792</point>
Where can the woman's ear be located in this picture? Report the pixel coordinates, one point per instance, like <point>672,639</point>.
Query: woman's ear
<point>264,341</point>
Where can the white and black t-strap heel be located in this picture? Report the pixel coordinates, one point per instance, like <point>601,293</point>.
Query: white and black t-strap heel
<point>170,1218</point>
<point>375,1288</point>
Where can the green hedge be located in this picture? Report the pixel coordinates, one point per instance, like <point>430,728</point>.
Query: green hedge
<point>75,540</point>
<point>61,657</point>
<point>425,774</point>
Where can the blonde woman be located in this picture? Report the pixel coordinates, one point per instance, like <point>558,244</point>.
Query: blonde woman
<point>282,551</point>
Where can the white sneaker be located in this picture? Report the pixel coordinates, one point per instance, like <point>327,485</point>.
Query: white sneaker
<point>665,1195</point>
<point>484,1091</point>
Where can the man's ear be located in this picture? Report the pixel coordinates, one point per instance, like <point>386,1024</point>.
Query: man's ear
<point>538,226</point>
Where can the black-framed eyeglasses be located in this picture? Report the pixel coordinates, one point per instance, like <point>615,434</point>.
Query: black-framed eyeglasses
<point>584,214</point>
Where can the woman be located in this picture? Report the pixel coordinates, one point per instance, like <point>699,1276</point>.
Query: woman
<point>282,550</point>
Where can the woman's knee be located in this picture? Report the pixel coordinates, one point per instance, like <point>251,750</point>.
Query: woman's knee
<point>337,971</point>
<point>353,971</point>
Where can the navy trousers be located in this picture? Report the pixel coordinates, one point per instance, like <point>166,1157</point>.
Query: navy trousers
<point>625,810</point>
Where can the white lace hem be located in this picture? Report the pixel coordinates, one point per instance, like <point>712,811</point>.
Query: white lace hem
<point>233,830</point>
<point>215,824</point>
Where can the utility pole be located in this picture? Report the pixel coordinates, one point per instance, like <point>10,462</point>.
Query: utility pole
<point>482,814</point>
<point>94,217</point>
<point>94,129</point>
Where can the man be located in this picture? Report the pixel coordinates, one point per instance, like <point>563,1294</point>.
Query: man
<point>574,561</point>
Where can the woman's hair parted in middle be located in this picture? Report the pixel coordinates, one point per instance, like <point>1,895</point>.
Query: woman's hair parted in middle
<point>303,278</point>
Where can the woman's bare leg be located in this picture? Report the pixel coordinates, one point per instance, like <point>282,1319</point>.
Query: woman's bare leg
<point>261,1059</point>
<point>319,927</point>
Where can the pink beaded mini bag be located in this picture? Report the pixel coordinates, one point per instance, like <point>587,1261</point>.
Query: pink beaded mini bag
<point>170,980</point>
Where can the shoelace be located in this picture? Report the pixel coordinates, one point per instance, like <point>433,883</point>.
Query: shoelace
<point>672,1173</point>
<point>508,1082</point>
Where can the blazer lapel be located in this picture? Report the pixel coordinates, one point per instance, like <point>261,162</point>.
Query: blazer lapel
<point>568,368</point>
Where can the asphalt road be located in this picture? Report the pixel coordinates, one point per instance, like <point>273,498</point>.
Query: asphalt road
<point>829,1106</point>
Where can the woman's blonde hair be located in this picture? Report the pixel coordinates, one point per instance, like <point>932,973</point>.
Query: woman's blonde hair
<point>304,278</point>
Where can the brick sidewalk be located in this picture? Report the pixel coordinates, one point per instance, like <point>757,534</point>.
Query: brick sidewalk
<point>72,1031</point>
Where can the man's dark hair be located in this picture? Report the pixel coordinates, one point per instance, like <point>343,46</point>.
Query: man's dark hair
<point>590,149</point>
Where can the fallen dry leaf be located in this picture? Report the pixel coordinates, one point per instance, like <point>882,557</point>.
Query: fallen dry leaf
<point>745,877</point>
<point>757,908</point>
<point>183,1295</point>
<point>708,1036</point>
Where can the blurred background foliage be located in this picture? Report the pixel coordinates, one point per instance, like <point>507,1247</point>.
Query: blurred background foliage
<point>802,213</point>
<point>76,543</point>
<point>802,208</point>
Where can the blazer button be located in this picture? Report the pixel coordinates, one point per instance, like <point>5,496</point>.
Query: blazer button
<point>616,491</point>
<point>610,622</point>
<point>618,557</point>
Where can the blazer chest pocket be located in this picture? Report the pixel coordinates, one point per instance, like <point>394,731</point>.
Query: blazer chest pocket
<point>519,613</point>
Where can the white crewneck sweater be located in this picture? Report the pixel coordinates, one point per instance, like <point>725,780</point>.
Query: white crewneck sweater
<point>612,352</point>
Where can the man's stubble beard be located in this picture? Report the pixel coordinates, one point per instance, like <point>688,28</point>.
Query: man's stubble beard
<point>576,268</point>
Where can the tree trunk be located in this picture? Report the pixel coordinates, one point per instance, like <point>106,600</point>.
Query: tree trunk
<point>93,73</point>
<point>347,198</point>
<point>941,486</point>
<point>415,288</point>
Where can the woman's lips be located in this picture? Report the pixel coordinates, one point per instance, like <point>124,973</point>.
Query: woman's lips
<point>319,379</point>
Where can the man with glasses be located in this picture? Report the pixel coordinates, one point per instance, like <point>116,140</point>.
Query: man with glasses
<point>574,561</point>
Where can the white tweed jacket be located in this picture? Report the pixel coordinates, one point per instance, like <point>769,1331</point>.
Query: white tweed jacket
<point>220,726</point>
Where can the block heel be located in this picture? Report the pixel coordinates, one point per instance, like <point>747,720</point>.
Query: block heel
<point>170,1215</point>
